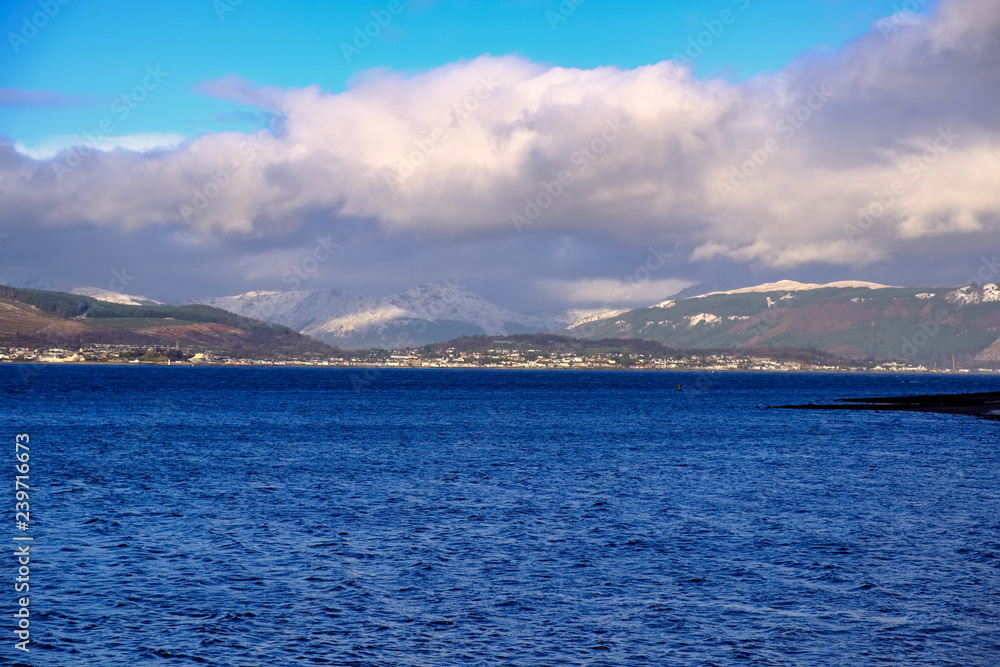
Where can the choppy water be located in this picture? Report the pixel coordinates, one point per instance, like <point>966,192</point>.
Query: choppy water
<point>235,516</point>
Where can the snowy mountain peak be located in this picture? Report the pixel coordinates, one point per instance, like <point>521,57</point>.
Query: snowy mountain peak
<point>438,302</point>
<point>352,320</point>
<point>297,309</point>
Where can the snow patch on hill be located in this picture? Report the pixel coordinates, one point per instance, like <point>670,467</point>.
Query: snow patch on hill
<point>793,286</point>
<point>113,297</point>
<point>444,301</point>
<point>707,318</point>
<point>268,306</point>
<point>358,323</point>
<point>575,317</point>
<point>970,294</point>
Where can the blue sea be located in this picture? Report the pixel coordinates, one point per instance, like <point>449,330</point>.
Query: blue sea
<point>321,516</point>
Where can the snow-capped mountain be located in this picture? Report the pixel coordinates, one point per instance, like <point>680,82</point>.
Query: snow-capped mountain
<point>847,318</point>
<point>780,286</point>
<point>299,310</point>
<point>114,297</point>
<point>424,314</point>
<point>449,302</point>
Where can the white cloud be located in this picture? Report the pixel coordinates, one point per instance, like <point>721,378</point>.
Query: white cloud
<point>643,155</point>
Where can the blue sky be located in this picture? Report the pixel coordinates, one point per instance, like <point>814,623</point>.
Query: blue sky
<point>545,154</point>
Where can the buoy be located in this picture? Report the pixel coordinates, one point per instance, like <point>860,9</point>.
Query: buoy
<point>678,386</point>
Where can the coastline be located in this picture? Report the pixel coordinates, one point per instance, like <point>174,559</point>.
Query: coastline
<point>372,366</point>
<point>980,404</point>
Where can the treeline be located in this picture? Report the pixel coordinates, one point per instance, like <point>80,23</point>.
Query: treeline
<point>195,313</point>
<point>65,305</point>
<point>60,304</point>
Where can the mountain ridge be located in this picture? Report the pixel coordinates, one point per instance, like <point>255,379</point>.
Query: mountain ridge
<point>428,313</point>
<point>849,319</point>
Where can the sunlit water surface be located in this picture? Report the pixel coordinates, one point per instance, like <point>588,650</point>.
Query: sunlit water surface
<point>278,516</point>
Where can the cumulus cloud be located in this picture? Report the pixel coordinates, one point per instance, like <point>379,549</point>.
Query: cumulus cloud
<point>838,159</point>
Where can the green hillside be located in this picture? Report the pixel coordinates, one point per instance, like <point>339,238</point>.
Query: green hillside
<point>66,305</point>
<point>39,318</point>
<point>925,325</point>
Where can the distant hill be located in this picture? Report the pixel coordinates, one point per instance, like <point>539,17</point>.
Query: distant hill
<point>780,286</point>
<point>35,318</point>
<point>426,314</point>
<point>849,320</point>
<point>846,320</point>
